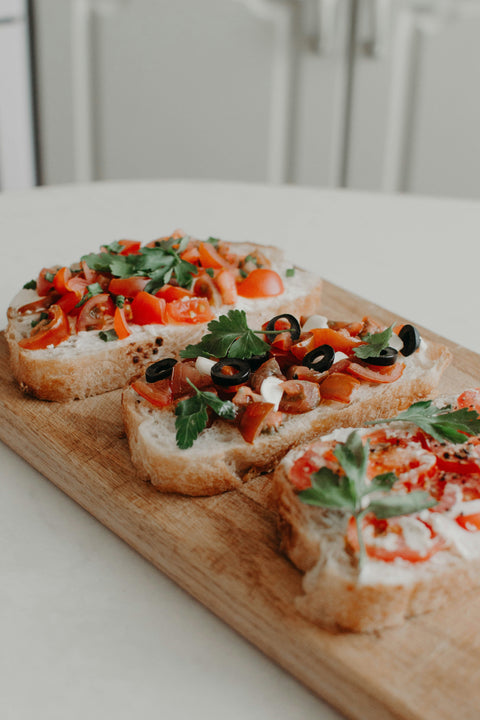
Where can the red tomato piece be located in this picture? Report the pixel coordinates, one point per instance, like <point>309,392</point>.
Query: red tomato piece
<point>376,374</point>
<point>172,292</point>
<point>45,286</point>
<point>158,393</point>
<point>225,282</point>
<point>96,313</point>
<point>69,301</point>
<point>470,399</point>
<point>189,311</point>
<point>148,309</point>
<point>210,257</point>
<point>51,331</point>
<point>338,386</point>
<point>261,282</point>
<point>120,324</point>
<point>253,419</point>
<point>127,286</point>
<point>469,522</point>
<point>129,247</point>
<point>392,527</point>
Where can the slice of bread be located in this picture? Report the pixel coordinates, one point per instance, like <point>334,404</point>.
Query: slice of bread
<point>341,595</point>
<point>85,365</point>
<point>220,459</point>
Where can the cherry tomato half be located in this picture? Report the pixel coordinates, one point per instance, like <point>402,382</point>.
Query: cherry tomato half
<point>261,282</point>
<point>127,286</point>
<point>96,313</point>
<point>189,310</point>
<point>50,331</point>
<point>148,309</point>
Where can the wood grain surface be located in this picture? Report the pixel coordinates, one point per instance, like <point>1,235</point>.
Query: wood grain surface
<point>224,551</point>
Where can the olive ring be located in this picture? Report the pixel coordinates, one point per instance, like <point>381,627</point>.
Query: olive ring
<point>320,358</point>
<point>241,375</point>
<point>160,370</point>
<point>294,328</point>
<point>410,337</point>
<point>388,356</point>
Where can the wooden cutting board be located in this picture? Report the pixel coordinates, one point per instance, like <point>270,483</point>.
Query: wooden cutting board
<point>224,551</point>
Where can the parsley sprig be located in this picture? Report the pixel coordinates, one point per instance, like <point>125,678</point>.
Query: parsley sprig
<point>229,336</point>
<point>440,423</point>
<point>374,343</point>
<point>160,263</point>
<point>191,415</point>
<point>351,491</point>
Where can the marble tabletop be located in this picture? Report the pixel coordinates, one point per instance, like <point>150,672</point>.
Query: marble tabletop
<point>88,627</point>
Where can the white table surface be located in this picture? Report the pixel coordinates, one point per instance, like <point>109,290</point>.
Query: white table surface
<point>88,628</point>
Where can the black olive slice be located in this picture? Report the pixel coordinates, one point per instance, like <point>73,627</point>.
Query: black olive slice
<point>160,370</point>
<point>410,337</point>
<point>242,372</point>
<point>320,359</point>
<point>294,328</point>
<point>386,357</point>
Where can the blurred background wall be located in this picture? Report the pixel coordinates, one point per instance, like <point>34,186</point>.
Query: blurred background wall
<point>367,94</point>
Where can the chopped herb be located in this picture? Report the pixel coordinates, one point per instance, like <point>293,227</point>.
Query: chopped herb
<point>93,289</point>
<point>243,274</point>
<point>114,247</point>
<point>348,491</point>
<point>30,285</point>
<point>49,276</point>
<point>441,423</point>
<point>192,415</point>
<point>290,272</point>
<point>210,271</point>
<point>375,343</point>
<point>108,335</point>
<point>120,301</point>
<point>213,241</point>
<point>251,258</point>
<point>228,336</point>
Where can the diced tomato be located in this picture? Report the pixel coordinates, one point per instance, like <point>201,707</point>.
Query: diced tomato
<point>470,399</point>
<point>127,286</point>
<point>210,257</point>
<point>64,282</point>
<point>253,419</point>
<point>191,255</point>
<point>51,331</point>
<point>148,309</point>
<point>129,247</point>
<point>377,373</point>
<point>261,282</point>
<point>96,313</point>
<point>120,324</point>
<point>338,386</point>
<point>225,282</point>
<point>45,286</point>
<point>69,301</point>
<point>173,292</point>
<point>469,522</point>
<point>394,530</point>
<point>158,393</point>
<point>318,454</point>
<point>205,287</point>
<point>38,305</point>
<point>407,458</point>
<point>189,311</point>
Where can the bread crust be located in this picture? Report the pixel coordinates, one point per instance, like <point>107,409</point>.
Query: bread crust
<point>221,460</point>
<point>77,369</point>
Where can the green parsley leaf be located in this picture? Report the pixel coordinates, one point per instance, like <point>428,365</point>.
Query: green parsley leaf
<point>108,335</point>
<point>375,343</point>
<point>213,241</point>
<point>210,271</point>
<point>191,415</point>
<point>228,336</point>
<point>114,247</point>
<point>290,272</point>
<point>440,423</point>
<point>348,491</point>
<point>30,285</point>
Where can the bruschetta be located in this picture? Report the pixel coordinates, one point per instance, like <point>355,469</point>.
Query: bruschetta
<point>384,520</point>
<point>241,398</point>
<point>89,328</point>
